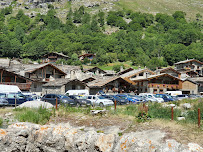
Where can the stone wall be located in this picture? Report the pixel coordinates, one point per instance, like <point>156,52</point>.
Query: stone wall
<point>27,137</point>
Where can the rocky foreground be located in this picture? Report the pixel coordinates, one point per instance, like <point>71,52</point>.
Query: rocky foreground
<point>27,137</point>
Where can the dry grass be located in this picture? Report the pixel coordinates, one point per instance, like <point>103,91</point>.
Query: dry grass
<point>3,111</point>
<point>181,132</point>
<point>191,7</point>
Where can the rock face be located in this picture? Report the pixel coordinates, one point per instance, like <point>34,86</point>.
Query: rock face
<point>27,137</point>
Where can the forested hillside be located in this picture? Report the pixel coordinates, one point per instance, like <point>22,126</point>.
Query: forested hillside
<point>142,38</point>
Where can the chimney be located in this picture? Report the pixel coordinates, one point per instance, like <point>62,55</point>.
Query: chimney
<point>139,68</point>
<point>121,68</point>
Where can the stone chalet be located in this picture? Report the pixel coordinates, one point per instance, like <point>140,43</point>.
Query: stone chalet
<point>89,56</point>
<point>191,67</point>
<point>159,83</point>
<point>95,71</point>
<point>53,57</point>
<point>41,74</point>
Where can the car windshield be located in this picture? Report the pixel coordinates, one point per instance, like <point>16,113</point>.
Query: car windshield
<point>80,97</point>
<point>100,97</point>
<point>63,97</point>
<point>2,95</point>
<point>122,97</point>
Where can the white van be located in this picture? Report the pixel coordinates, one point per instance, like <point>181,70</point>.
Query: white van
<point>173,93</point>
<point>77,92</point>
<point>9,89</point>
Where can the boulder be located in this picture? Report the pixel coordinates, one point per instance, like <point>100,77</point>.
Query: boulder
<point>64,137</point>
<point>187,105</point>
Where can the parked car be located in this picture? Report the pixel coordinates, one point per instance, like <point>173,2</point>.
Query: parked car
<point>99,101</point>
<point>167,98</point>
<point>81,100</point>
<point>119,101</point>
<point>61,99</point>
<point>147,99</point>
<point>151,97</point>
<point>130,98</point>
<point>36,97</point>
<point>19,98</point>
<point>182,96</point>
<point>3,101</point>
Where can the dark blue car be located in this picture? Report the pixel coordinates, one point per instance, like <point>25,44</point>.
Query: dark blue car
<point>130,98</point>
<point>119,101</point>
<point>167,98</point>
<point>19,98</point>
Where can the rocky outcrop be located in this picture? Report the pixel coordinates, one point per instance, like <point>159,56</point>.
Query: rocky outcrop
<point>27,137</point>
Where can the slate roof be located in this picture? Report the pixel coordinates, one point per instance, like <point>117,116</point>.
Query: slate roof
<point>165,69</point>
<point>154,76</point>
<point>190,60</point>
<point>4,62</point>
<point>60,54</point>
<point>131,73</point>
<point>33,67</point>
<point>60,82</point>
<point>89,69</point>
<point>197,79</point>
<point>102,82</point>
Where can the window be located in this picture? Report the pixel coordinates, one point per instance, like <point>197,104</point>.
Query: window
<point>11,95</point>
<point>48,96</point>
<point>94,98</point>
<point>73,87</point>
<point>89,97</point>
<point>141,74</point>
<point>48,76</point>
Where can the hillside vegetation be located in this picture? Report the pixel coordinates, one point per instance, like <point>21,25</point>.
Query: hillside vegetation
<point>190,7</point>
<point>141,38</point>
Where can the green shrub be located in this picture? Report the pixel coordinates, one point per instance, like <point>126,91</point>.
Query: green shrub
<point>191,116</point>
<point>157,111</point>
<point>1,121</point>
<point>131,110</point>
<point>38,116</point>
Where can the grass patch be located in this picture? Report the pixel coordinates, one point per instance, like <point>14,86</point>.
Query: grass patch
<point>157,111</point>
<point>1,121</point>
<point>38,116</point>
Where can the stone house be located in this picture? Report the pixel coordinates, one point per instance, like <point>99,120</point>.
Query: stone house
<point>169,71</point>
<point>95,71</point>
<point>42,74</point>
<point>53,57</point>
<point>133,74</point>
<point>190,67</point>
<point>89,56</point>
<point>199,81</point>
<point>189,87</point>
<point>61,86</point>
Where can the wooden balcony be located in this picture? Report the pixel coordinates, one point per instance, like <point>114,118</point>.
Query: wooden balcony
<point>161,86</point>
<point>22,86</point>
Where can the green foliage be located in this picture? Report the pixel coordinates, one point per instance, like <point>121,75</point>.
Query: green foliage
<point>192,115</point>
<point>143,117</point>
<point>157,111</point>
<point>38,116</point>
<point>117,67</point>
<point>50,6</point>
<point>1,121</point>
<point>148,40</point>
